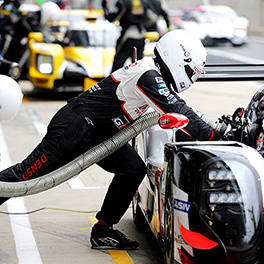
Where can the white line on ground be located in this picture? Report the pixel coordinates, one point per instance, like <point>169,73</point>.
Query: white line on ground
<point>77,184</point>
<point>26,247</point>
<point>37,122</point>
<point>232,56</point>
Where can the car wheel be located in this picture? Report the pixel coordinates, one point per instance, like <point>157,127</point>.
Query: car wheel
<point>169,225</point>
<point>138,216</point>
<point>238,44</point>
<point>208,42</point>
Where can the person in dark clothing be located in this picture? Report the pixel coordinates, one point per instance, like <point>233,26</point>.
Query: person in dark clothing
<point>108,107</point>
<point>132,16</point>
<point>160,9</point>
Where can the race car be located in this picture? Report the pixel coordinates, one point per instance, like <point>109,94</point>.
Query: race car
<point>76,51</point>
<point>203,201</point>
<point>214,24</point>
<point>83,57</point>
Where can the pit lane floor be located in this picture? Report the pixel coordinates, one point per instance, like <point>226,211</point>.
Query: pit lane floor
<point>59,231</point>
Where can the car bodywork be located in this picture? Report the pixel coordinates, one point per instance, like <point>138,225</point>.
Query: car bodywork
<point>78,52</point>
<point>195,216</point>
<point>81,57</point>
<point>214,24</point>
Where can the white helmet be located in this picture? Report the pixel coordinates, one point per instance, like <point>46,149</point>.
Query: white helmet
<point>181,57</point>
<point>10,97</point>
<point>49,12</point>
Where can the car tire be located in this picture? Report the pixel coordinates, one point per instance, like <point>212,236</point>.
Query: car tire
<point>238,44</point>
<point>169,224</point>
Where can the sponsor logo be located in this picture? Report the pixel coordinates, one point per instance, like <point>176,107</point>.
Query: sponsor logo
<point>170,97</point>
<point>188,60</point>
<point>94,88</point>
<point>167,93</point>
<point>164,91</point>
<point>196,70</point>
<point>89,121</point>
<point>126,67</point>
<point>162,85</point>
<point>140,110</point>
<point>120,122</point>
<point>179,239</point>
<point>109,241</point>
<point>173,100</point>
<point>33,168</point>
<point>185,52</point>
<point>182,85</point>
<point>159,79</point>
<point>164,121</point>
<point>182,206</point>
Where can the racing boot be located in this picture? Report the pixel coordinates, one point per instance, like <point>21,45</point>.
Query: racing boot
<point>105,237</point>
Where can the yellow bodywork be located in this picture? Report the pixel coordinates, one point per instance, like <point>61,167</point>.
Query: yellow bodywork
<point>37,78</point>
<point>94,58</point>
<point>97,62</point>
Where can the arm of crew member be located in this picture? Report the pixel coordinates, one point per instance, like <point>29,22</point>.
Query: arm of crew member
<point>116,14</point>
<point>164,13</point>
<point>153,89</point>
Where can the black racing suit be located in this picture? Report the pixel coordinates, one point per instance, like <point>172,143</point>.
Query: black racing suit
<point>132,18</point>
<point>96,115</point>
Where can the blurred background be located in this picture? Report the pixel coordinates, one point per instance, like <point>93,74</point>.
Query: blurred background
<point>253,10</point>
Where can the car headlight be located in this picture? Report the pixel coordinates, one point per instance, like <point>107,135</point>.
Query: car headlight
<point>225,198</point>
<point>45,64</point>
<point>240,33</point>
<point>230,200</point>
<point>219,175</point>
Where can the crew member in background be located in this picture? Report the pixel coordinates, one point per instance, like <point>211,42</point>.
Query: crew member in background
<point>159,7</point>
<point>132,16</point>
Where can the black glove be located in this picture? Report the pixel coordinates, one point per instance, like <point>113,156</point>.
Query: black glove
<point>223,128</point>
<point>230,127</point>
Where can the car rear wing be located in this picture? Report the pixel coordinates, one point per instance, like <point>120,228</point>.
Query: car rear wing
<point>233,72</point>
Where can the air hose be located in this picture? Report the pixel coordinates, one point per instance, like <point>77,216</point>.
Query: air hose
<point>73,168</point>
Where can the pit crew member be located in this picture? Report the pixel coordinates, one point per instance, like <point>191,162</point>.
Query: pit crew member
<point>110,105</point>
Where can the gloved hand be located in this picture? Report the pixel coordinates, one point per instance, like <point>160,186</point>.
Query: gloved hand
<point>223,128</point>
<point>230,127</point>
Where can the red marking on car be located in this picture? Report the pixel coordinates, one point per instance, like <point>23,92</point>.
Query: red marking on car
<point>33,168</point>
<point>195,239</point>
<point>184,258</point>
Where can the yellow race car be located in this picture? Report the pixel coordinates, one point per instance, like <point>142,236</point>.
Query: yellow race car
<point>80,59</point>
